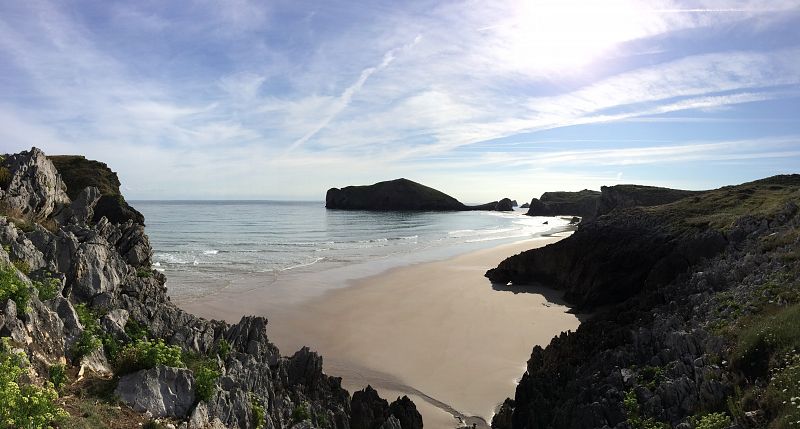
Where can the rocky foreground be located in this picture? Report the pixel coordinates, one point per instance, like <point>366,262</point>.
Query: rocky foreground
<point>695,315</point>
<point>87,324</point>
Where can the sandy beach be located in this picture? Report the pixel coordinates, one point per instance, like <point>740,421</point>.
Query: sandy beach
<point>438,332</point>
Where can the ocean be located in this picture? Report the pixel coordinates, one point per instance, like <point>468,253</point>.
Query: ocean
<point>205,246</point>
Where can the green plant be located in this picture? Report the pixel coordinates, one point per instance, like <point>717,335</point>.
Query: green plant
<point>143,272</point>
<point>223,349</point>
<point>205,378</point>
<point>782,395</point>
<point>13,288</point>
<point>110,346</point>
<point>136,330</point>
<point>86,344</point>
<point>258,416</point>
<point>5,177</point>
<point>47,287</point>
<point>144,354</point>
<point>767,337</point>
<point>58,375</point>
<point>712,421</point>
<point>300,413</point>
<point>24,405</point>
<point>631,405</point>
<point>23,266</point>
<point>651,376</point>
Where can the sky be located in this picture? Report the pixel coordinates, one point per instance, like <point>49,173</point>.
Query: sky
<point>242,99</point>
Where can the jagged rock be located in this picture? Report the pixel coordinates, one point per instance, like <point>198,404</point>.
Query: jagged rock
<point>162,391</point>
<point>79,172</point>
<point>20,247</point>
<point>96,269</point>
<point>525,206</point>
<point>391,423</point>
<point>502,418</point>
<point>114,322</point>
<point>200,419</point>
<point>249,336</point>
<point>35,190</point>
<point>81,210</point>
<point>368,410</point>
<point>96,362</point>
<point>406,413</point>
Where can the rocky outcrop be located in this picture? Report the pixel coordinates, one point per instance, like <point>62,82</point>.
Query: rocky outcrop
<point>583,203</point>
<point>402,195</point>
<point>34,190</point>
<point>525,206</point>
<point>79,173</point>
<point>663,282</point>
<point>393,195</point>
<point>162,391</point>
<point>624,196</point>
<point>404,410</point>
<point>100,259</point>
<point>369,411</point>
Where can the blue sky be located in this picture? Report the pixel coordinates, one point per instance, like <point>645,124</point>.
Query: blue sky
<point>282,100</point>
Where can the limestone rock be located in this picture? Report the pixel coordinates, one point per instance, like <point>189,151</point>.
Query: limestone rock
<point>368,410</point>
<point>404,410</point>
<point>162,391</point>
<point>35,191</point>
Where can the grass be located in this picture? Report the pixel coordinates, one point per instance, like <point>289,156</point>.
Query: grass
<point>765,339</point>
<point>720,208</point>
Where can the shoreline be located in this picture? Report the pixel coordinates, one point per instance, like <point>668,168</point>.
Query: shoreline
<point>436,331</point>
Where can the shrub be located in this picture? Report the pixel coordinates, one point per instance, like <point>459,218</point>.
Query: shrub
<point>12,287</point>
<point>634,418</point>
<point>144,354</point>
<point>58,375</point>
<point>87,343</point>
<point>300,413</point>
<point>48,288</point>
<point>23,266</point>
<point>136,330</point>
<point>223,349</point>
<point>24,405</point>
<point>5,177</point>
<point>143,272</point>
<point>206,381</point>
<point>712,421</point>
<point>259,417</point>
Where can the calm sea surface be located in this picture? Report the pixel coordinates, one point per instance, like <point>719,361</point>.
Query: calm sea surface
<point>202,245</point>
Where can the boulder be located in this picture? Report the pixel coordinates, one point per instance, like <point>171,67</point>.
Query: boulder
<point>33,189</point>
<point>162,391</point>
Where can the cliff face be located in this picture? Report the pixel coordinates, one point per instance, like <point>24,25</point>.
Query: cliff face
<point>689,299</point>
<point>624,196</point>
<point>90,293</point>
<point>583,203</point>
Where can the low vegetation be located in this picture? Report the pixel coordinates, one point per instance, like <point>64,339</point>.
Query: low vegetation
<point>145,354</point>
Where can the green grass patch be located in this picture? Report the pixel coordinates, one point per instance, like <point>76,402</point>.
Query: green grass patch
<point>764,340</point>
<point>712,421</point>
<point>23,266</point>
<point>13,288</point>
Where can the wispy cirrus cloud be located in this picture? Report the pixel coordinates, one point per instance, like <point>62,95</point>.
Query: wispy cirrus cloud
<point>384,87</point>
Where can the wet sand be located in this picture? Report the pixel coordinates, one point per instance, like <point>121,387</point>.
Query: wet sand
<point>438,332</point>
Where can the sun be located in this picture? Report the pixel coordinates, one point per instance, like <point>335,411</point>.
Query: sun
<point>545,36</point>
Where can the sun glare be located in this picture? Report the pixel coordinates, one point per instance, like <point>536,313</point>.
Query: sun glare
<point>543,36</point>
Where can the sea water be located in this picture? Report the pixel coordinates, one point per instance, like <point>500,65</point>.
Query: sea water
<point>202,246</point>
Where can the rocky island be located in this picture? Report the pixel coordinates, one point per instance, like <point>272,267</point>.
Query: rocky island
<point>695,307</point>
<point>87,319</point>
<point>402,195</point>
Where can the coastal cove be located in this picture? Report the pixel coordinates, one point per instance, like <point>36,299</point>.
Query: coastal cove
<point>437,331</point>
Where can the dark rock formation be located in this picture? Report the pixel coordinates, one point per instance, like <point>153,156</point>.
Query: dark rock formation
<point>624,196</point>
<point>103,263</point>
<point>145,391</point>
<point>669,277</point>
<point>505,205</point>
<point>406,413</point>
<point>394,195</point>
<point>368,410</point>
<point>583,203</point>
<point>402,195</point>
<point>79,173</point>
<point>514,203</point>
<point>525,206</point>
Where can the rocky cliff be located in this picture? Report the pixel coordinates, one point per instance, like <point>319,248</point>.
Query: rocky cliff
<point>690,303</point>
<point>80,301</point>
<point>583,203</point>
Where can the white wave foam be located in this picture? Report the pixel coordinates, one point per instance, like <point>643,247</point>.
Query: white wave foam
<point>303,265</point>
<point>210,252</point>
